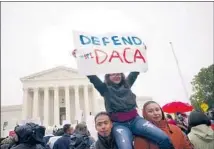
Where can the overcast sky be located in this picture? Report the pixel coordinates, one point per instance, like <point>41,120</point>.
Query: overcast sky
<point>38,36</point>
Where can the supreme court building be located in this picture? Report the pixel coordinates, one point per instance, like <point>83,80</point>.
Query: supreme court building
<point>55,95</point>
<point>58,94</point>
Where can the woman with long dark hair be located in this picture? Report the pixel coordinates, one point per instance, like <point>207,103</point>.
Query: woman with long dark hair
<point>154,113</point>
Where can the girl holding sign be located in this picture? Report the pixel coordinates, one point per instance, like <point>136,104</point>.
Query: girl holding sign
<point>120,103</point>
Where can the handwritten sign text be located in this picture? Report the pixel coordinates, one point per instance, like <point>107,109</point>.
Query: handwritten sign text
<point>109,53</point>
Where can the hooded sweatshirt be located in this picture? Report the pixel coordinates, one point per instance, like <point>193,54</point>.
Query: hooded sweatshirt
<point>201,134</point>
<point>178,138</point>
<point>118,97</point>
<point>202,137</point>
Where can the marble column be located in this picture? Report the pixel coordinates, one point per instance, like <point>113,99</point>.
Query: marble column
<point>94,100</point>
<point>67,104</point>
<point>86,102</point>
<point>56,106</point>
<point>77,103</point>
<point>35,103</point>
<point>46,107</point>
<point>25,104</point>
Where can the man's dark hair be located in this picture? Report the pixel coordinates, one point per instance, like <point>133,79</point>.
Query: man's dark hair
<point>169,116</point>
<point>101,113</point>
<point>198,118</point>
<point>82,129</point>
<point>66,127</point>
<point>59,132</point>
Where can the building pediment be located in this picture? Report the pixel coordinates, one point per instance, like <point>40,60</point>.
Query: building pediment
<point>57,73</point>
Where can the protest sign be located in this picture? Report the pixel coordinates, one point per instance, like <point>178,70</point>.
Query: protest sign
<point>78,116</point>
<point>65,122</point>
<point>109,53</point>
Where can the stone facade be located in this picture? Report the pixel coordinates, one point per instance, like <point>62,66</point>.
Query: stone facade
<point>55,95</point>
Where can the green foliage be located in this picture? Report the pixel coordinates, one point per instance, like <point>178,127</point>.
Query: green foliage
<point>203,87</point>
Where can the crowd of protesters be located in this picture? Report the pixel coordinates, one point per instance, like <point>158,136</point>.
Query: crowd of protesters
<point>120,126</point>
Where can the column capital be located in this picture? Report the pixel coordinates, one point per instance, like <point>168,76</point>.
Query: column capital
<point>91,85</point>
<point>56,88</point>
<point>35,89</point>
<point>46,88</point>
<point>66,86</point>
<point>76,87</point>
<point>85,86</point>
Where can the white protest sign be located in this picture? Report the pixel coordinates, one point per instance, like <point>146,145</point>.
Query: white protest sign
<point>109,53</point>
<point>78,115</point>
<point>91,126</point>
<point>65,122</point>
<point>34,120</point>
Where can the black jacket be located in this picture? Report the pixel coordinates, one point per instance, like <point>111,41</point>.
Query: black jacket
<point>46,139</point>
<point>63,142</point>
<point>104,143</point>
<point>118,98</point>
<point>5,146</point>
<point>79,141</point>
<point>28,146</point>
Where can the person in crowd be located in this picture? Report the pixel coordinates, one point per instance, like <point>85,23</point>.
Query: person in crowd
<point>103,125</point>
<point>210,114</point>
<point>55,129</point>
<point>8,142</point>
<point>65,140</point>
<point>81,138</point>
<point>170,120</point>
<point>88,134</point>
<point>153,113</point>
<point>212,124</point>
<point>48,135</point>
<point>1,139</point>
<point>30,136</point>
<point>201,134</point>
<point>181,121</point>
<point>211,111</point>
<point>120,103</point>
<point>58,134</point>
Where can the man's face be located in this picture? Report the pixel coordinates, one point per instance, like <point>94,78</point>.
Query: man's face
<point>103,125</point>
<point>70,131</point>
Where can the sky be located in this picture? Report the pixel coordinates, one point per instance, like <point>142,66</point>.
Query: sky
<point>38,36</point>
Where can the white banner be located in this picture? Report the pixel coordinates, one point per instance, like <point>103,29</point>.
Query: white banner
<point>78,116</point>
<point>109,53</point>
<point>65,122</point>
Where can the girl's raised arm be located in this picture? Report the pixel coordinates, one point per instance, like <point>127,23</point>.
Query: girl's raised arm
<point>132,78</point>
<point>98,84</point>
